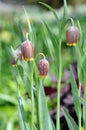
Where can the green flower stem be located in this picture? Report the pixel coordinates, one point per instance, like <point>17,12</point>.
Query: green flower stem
<point>58,88</point>
<point>39,104</point>
<point>32,93</point>
<point>32,98</point>
<point>72,22</point>
<point>0,60</point>
<point>79,120</point>
<point>84,109</point>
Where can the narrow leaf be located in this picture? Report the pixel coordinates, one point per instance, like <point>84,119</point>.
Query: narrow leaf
<point>53,38</point>
<point>44,117</point>
<point>83,102</point>
<point>22,117</point>
<point>10,125</point>
<point>7,98</point>
<point>21,32</point>
<point>81,43</point>
<point>49,44</point>
<point>29,25</point>
<point>65,10</point>
<point>63,20</point>
<point>70,121</point>
<point>31,34</point>
<point>75,92</point>
<point>52,10</point>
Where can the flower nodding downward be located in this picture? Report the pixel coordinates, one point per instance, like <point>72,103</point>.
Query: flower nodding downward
<point>72,35</point>
<point>27,49</point>
<point>43,67</point>
<point>19,55</point>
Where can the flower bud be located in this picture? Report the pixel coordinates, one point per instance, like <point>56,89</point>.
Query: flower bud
<point>19,55</point>
<point>27,49</point>
<point>43,67</point>
<point>72,35</point>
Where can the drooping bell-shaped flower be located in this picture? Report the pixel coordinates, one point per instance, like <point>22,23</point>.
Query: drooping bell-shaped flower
<point>27,49</point>
<point>43,67</point>
<point>72,35</point>
<point>18,54</point>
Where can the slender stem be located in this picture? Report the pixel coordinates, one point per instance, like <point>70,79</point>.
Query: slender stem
<point>58,89</point>
<point>79,93</point>
<point>0,60</point>
<point>39,105</point>
<point>32,98</point>
<point>32,94</point>
<point>84,109</point>
<point>71,20</point>
<point>79,120</point>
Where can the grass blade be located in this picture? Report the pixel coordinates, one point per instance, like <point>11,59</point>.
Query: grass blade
<point>52,10</point>
<point>8,98</point>
<point>49,44</point>
<point>65,10</point>
<point>81,43</point>
<point>71,123</point>
<point>45,122</point>
<point>21,32</point>
<point>75,92</point>
<point>31,36</point>
<point>22,116</point>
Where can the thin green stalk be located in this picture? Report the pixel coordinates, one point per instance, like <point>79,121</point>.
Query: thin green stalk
<point>58,89</point>
<point>79,93</point>
<point>72,22</point>
<point>39,106</point>
<point>32,99</point>
<point>32,94</point>
<point>79,120</point>
<point>84,109</point>
<point>0,60</point>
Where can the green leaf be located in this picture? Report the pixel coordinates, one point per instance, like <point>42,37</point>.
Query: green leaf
<point>3,120</point>
<point>29,26</point>
<point>45,122</point>
<point>14,54</point>
<point>21,71</point>
<point>52,36</point>
<point>52,10</point>
<point>10,125</point>
<point>0,59</point>
<point>50,43</point>
<point>21,32</point>
<point>81,43</point>
<point>13,51</point>
<point>80,62</point>
<point>75,92</point>
<point>63,20</point>
<point>22,117</point>
<point>83,102</point>
<point>7,98</point>
<point>65,10</point>
<point>27,84</point>
<point>70,121</point>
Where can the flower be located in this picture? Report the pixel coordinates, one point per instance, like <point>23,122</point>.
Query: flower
<point>72,35</point>
<point>43,67</point>
<point>19,55</point>
<point>27,49</point>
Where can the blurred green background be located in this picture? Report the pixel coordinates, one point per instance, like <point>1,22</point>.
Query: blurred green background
<point>10,14</point>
